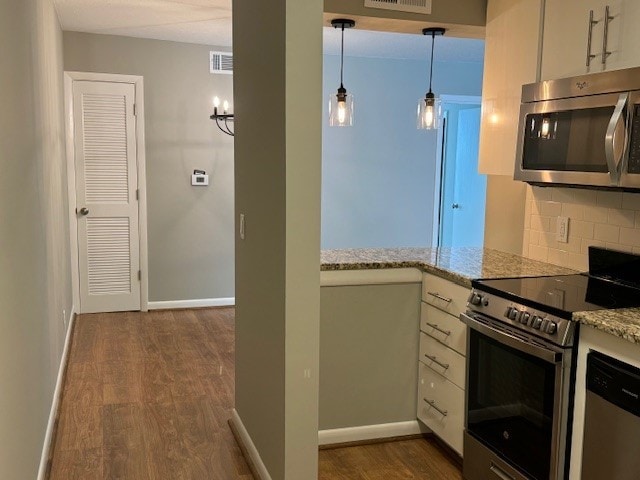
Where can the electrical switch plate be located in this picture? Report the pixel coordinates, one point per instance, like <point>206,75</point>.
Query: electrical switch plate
<point>562,231</point>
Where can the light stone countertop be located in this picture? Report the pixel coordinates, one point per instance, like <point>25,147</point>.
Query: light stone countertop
<point>623,322</point>
<point>459,265</point>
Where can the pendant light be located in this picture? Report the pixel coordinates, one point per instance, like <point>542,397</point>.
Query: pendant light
<point>341,104</point>
<point>429,106</point>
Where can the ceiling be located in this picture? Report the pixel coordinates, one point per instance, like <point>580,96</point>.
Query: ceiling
<point>208,22</point>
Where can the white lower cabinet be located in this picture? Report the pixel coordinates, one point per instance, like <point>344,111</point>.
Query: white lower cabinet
<point>441,407</point>
<point>441,359</point>
<point>445,328</point>
<point>442,362</point>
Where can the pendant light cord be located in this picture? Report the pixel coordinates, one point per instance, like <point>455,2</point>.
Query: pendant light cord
<point>342,57</point>
<point>433,39</point>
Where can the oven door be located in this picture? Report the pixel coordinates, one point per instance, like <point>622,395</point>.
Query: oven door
<point>514,398</point>
<point>573,141</point>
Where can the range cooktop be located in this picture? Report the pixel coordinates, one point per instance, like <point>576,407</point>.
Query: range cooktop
<point>613,281</point>
<point>564,294</point>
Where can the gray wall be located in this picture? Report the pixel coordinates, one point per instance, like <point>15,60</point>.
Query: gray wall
<point>378,176</point>
<point>369,341</point>
<point>35,283</point>
<point>190,229</point>
<point>277,84</point>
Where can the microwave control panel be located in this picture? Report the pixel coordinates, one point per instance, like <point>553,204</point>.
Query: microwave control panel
<point>634,144</point>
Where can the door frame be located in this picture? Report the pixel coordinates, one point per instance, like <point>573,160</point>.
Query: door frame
<point>138,83</point>
<point>440,159</point>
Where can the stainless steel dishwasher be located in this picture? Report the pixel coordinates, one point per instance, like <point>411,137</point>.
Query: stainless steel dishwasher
<point>612,420</point>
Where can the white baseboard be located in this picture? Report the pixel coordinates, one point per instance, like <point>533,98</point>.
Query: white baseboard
<point>370,432</point>
<point>57,394</point>
<point>249,446</point>
<point>198,303</point>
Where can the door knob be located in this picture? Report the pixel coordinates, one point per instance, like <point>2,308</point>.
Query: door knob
<point>455,205</point>
<point>83,211</point>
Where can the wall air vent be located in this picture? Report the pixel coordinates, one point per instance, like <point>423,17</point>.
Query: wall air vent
<point>413,6</point>
<point>221,62</point>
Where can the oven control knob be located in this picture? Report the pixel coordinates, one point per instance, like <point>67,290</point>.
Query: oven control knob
<point>507,312</point>
<point>536,322</point>
<point>476,299</point>
<point>552,327</point>
<point>524,318</point>
<point>513,315</point>
<point>485,301</point>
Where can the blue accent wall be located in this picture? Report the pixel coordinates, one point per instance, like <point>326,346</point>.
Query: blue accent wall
<point>378,176</point>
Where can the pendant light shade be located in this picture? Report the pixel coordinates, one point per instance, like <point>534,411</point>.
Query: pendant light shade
<point>341,104</point>
<point>429,109</point>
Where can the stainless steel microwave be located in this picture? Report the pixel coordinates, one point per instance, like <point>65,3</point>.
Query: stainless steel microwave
<point>581,131</point>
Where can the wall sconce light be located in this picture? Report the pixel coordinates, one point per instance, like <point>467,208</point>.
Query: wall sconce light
<point>222,119</point>
<point>341,105</point>
<point>429,106</point>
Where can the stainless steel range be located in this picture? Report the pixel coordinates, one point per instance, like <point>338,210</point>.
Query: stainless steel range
<point>520,365</point>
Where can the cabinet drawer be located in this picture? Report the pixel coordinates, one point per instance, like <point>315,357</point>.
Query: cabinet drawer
<point>444,327</point>
<point>443,360</point>
<point>443,294</point>
<point>441,407</point>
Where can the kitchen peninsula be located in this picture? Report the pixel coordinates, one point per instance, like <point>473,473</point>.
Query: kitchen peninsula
<point>374,303</point>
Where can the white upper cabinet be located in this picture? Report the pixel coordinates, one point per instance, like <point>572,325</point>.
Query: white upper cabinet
<point>512,53</point>
<point>577,33</point>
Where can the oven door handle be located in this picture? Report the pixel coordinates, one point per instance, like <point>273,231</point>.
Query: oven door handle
<point>542,353</point>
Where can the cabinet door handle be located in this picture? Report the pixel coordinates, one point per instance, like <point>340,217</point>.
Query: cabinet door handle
<point>432,404</point>
<point>440,297</point>
<point>592,22</point>
<point>434,359</point>
<point>605,41</point>
<point>437,327</point>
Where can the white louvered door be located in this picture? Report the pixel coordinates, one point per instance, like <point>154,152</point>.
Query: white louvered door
<point>107,207</point>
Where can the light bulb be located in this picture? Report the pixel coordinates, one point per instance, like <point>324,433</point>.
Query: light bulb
<point>428,116</point>
<point>216,102</point>
<point>342,111</point>
<point>225,106</point>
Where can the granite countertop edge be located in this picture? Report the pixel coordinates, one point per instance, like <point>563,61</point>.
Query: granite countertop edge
<point>622,323</point>
<point>459,265</point>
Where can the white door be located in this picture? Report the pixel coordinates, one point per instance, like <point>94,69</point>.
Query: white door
<point>106,196</point>
<point>462,202</point>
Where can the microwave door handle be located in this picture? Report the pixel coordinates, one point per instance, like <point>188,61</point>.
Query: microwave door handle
<point>611,140</point>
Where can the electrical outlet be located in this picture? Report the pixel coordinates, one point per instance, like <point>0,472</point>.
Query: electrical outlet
<point>562,234</point>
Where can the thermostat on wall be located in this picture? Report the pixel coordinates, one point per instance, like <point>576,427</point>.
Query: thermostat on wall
<point>199,178</point>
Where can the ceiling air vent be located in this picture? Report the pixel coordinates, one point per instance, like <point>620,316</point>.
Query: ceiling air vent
<point>221,62</point>
<point>413,6</point>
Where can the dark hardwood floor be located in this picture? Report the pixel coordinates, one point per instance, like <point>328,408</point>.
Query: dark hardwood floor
<point>148,396</point>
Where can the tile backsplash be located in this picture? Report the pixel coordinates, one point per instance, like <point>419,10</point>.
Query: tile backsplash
<point>601,218</point>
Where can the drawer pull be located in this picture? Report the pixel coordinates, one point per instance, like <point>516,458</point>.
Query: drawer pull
<point>433,405</point>
<point>440,297</point>
<point>435,360</point>
<point>436,327</point>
